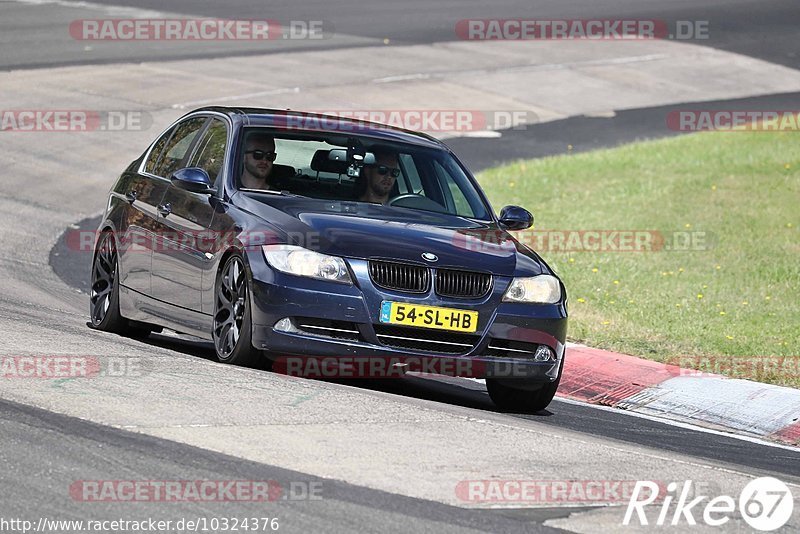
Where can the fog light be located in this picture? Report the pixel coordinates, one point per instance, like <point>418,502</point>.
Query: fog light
<point>543,354</point>
<point>286,325</point>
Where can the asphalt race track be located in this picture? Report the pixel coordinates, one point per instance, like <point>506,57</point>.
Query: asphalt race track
<point>763,29</point>
<point>388,455</point>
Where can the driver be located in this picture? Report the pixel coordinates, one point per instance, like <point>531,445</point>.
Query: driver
<point>259,153</point>
<point>377,180</point>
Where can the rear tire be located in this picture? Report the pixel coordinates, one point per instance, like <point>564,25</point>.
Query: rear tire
<point>141,330</point>
<point>104,295</point>
<point>104,311</point>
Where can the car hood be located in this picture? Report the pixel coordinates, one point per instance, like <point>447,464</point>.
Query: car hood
<point>372,231</point>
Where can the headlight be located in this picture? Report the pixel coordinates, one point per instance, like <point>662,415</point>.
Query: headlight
<point>299,261</point>
<point>543,289</point>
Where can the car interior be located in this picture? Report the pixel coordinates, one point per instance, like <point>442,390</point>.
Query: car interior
<point>324,167</point>
<point>307,167</point>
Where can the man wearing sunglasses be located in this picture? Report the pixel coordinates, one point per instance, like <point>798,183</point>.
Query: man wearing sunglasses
<point>259,153</point>
<point>377,180</point>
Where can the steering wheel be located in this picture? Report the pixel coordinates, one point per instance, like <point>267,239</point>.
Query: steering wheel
<point>413,200</point>
<point>405,196</point>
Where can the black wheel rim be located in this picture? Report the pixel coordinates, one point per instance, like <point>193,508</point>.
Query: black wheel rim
<point>231,302</point>
<point>104,271</point>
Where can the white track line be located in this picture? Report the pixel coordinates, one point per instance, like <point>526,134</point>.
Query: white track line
<point>670,422</point>
<point>281,91</point>
<point>133,12</point>
<point>679,424</point>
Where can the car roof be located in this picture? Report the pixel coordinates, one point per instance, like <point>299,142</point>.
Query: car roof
<point>318,122</point>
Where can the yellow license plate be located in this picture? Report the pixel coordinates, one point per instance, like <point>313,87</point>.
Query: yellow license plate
<point>429,316</point>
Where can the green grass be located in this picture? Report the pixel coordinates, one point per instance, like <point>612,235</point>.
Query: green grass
<point>737,300</point>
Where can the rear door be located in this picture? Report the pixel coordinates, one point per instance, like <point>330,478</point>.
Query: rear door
<point>138,230</point>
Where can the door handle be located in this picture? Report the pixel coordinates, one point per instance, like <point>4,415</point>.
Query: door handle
<point>165,209</point>
<point>131,196</point>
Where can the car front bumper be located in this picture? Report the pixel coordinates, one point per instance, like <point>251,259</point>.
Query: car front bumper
<point>323,328</point>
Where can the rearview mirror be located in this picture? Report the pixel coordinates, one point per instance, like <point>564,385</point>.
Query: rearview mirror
<point>515,218</point>
<point>337,154</point>
<point>193,179</point>
<point>356,160</point>
<point>341,155</point>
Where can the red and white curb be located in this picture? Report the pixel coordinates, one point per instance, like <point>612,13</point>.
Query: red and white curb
<point>669,392</point>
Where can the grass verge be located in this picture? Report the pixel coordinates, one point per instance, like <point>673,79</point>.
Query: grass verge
<point>718,286</point>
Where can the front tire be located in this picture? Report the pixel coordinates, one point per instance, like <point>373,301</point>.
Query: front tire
<point>232,327</point>
<point>517,399</point>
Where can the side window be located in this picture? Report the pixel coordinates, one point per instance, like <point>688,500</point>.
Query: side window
<point>457,201</point>
<point>178,144</point>
<point>155,154</point>
<point>210,151</point>
<point>410,182</point>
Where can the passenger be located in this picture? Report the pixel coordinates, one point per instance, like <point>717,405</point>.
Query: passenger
<point>377,180</point>
<point>259,154</point>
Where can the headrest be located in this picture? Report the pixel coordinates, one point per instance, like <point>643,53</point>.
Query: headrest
<point>282,172</point>
<point>321,163</point>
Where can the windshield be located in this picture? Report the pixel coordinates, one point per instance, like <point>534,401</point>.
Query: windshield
<point>360,169</point>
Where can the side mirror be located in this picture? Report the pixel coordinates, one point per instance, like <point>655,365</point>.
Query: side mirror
<point>193,179</point>
<point>515,218</point>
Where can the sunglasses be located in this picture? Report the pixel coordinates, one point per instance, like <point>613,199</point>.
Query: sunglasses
<point>383,170</point>
<point>260,154</point>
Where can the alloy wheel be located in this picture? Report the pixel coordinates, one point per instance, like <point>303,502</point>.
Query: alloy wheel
<point>231,302</point>
<point>104,273</point>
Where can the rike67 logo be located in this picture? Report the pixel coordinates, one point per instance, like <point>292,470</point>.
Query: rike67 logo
<point>765,504</point>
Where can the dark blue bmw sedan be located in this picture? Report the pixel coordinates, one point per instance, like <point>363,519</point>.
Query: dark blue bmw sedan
<point>288,237</point>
